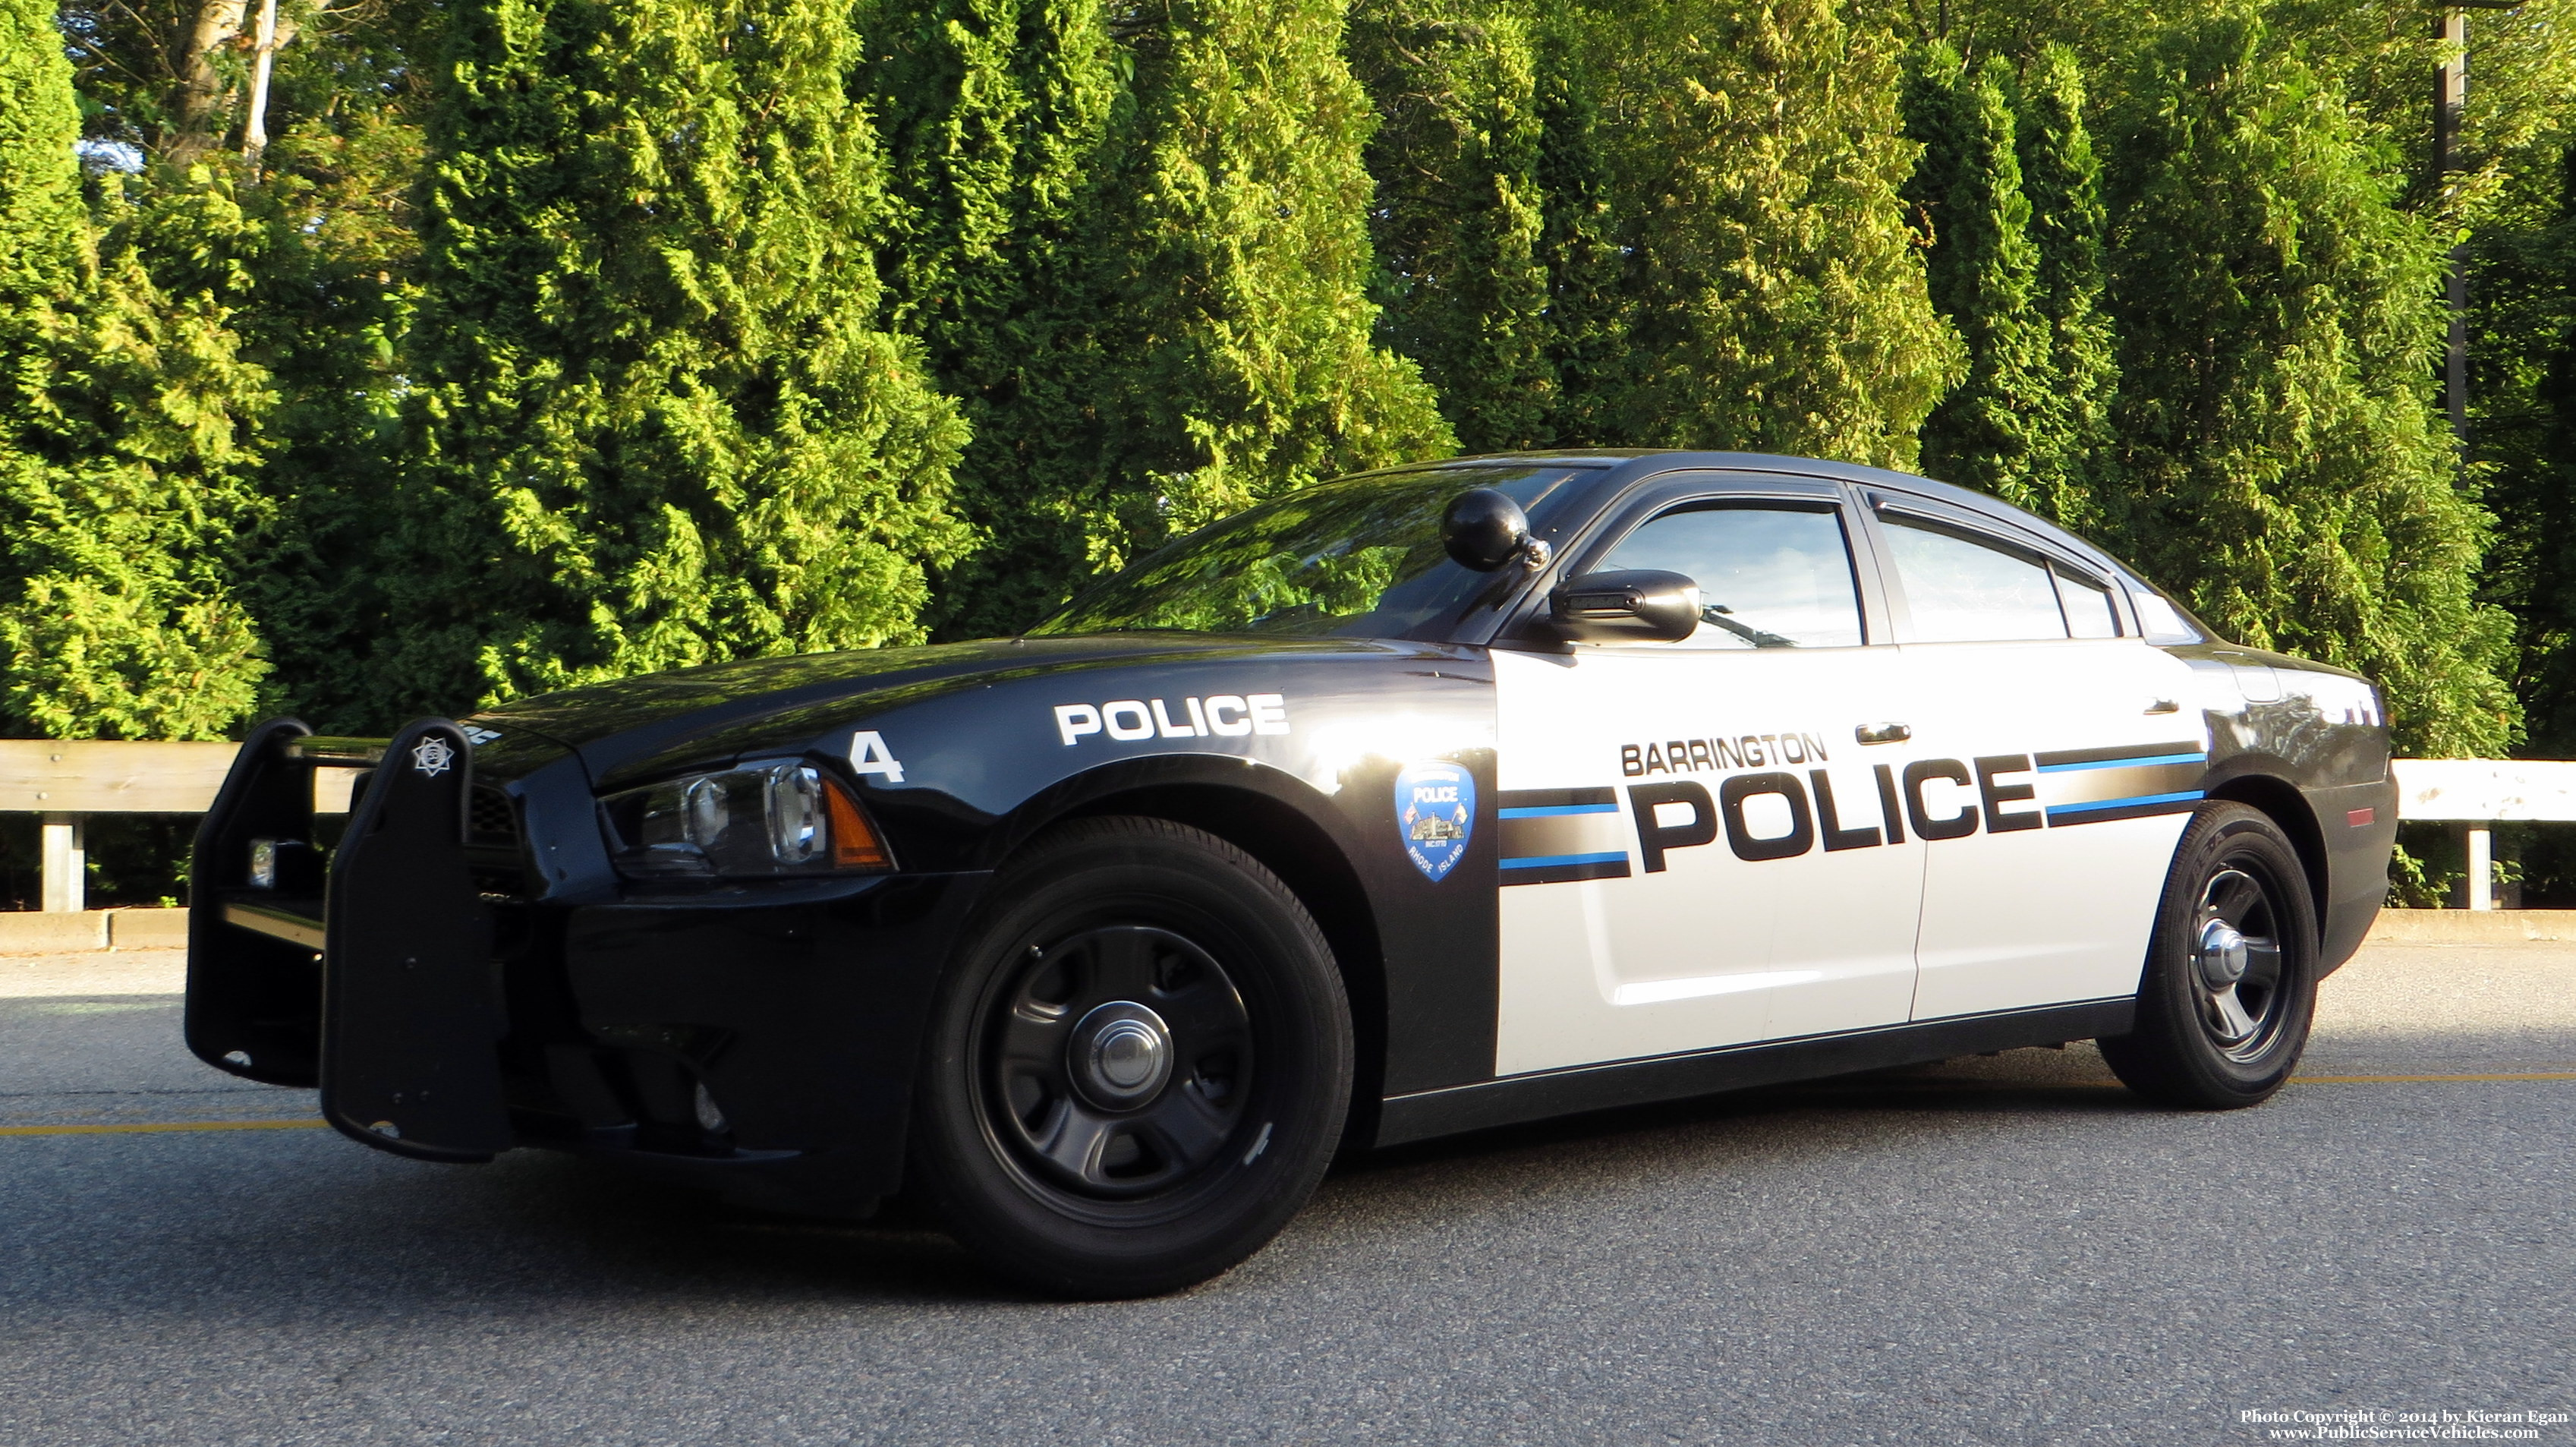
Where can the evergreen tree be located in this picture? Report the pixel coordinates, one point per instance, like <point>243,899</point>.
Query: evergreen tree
<point>2278,319</point>
<point>1197,335</point>
<point>1459,217</point>
<point>2522,429</point>
<point>1589,309</point>
<point>129,430</point>
<point>1774,299</point>
<point>657,423</point>
<point>996,115</point>
<point>2061,178</point>
<point>42,225</point>
<point>2001,429</point>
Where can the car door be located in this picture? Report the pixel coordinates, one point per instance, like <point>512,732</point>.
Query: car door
<point>2055,765</point>
<point>1696,849</point>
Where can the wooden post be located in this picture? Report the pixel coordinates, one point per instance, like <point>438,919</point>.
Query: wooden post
<point>2481,850</point>
<point>66,859</point>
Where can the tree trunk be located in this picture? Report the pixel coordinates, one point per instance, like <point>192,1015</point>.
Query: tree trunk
<point>255,128</point>
<point>201,85</point>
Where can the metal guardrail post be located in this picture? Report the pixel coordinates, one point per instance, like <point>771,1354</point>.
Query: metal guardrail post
<point>66,863</point>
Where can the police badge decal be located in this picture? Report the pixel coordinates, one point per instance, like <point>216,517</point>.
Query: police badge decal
<point>1435,812</point>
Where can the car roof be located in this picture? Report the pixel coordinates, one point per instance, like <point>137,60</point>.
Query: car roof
<point>1624,465</point>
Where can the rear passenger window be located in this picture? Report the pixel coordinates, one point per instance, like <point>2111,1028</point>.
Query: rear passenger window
<point>2089,613</point>
<point>1960,591</point>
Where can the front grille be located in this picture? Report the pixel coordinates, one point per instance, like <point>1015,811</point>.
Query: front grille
<point>491,819</point>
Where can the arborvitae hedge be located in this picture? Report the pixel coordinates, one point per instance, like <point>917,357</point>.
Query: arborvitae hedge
<point>656,421</point>
<point>2279,319</point>
<point>553,339</point>
<point>129,436</point>
<point>1460,220</point>
<point>1174,322</point>
<point>1771,296</point>
<point>1999,430</point>
<point>2062,178</point>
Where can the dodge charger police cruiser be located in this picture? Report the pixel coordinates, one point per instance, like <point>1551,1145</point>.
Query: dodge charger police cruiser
<point>1420,802</point>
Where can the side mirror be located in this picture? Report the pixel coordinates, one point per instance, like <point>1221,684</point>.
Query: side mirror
<point>1640,605</point>
<point>1483,530</point>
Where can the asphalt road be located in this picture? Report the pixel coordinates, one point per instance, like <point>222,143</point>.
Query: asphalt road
<point>1999,1250</point>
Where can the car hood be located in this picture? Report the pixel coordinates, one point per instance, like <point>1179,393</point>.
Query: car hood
<point>617,726</point>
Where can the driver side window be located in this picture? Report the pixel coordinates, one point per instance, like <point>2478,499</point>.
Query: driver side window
<point>1769,575</point>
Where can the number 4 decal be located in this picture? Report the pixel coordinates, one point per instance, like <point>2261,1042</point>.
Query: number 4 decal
<point>869,755</point>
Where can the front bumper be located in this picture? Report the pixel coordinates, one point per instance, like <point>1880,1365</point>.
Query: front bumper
<point>470,995</point>
<point>764,1041</point>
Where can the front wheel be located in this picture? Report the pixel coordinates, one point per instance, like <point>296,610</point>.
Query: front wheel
<point>2231,974</point>
<point>1138,1069</point>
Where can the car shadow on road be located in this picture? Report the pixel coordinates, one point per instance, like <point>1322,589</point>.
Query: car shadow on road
<point>345,1232</point>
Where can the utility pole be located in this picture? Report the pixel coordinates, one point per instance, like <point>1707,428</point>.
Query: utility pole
<point>2450,102</point>
<point>2450,99</point>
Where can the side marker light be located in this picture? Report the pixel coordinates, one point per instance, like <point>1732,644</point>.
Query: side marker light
<point>854,844</point>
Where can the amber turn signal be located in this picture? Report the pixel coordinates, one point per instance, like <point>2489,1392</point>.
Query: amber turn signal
<point>854,844</point>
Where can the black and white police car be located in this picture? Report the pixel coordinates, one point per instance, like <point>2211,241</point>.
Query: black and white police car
<point>1419,802</point>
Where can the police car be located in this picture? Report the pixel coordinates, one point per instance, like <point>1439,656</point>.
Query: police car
<point>1419,802</point>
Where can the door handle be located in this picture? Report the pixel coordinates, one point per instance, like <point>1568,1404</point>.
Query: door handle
<point>2164,705</point>
<point>1883,733</point>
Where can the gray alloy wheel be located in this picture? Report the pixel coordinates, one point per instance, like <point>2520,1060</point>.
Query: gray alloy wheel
<point>2231,972</point>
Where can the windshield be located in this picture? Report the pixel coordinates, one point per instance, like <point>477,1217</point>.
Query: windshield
<point>1361,559</point>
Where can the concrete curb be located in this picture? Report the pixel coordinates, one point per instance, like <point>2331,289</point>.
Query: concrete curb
<point>35,932</point>
<point>2471,927</point>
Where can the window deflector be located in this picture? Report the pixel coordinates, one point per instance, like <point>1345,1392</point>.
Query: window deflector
<point>1894,512</point>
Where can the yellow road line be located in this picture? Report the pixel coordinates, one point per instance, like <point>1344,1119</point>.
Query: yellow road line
<point>2424,1079</point>
<point>156,1127</point>
<point>162,1127</point>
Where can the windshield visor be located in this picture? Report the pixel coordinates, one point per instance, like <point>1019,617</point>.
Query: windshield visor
<point>1356,559</point>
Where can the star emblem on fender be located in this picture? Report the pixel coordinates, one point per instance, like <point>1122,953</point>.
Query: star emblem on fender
<point>431,756</point>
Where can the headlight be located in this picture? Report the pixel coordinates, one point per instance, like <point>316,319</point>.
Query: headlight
<point>783,818</point>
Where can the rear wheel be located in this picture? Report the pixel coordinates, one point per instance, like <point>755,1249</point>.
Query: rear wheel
<point>2231,980</point>
<point>1138,1071</point>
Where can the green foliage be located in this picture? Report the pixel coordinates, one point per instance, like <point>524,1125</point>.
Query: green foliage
<point>1998,431</point>
<point>42,227</point>
<point>129,428</point>
<point>1772,298</point>
<point>1459,225</point>
<point>2278,320</point>
<point>996,115</point>
<point>551,340</point>
<point>1189,331</point>
<point>2522,391</point>
<point>656,423</point>
<point>2061,178</point>
<point>1666,224</point>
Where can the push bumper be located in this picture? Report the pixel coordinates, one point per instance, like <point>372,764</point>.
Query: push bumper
<point>761,1039</point>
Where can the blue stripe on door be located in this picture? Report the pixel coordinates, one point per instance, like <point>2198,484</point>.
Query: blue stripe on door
<point>2126,763</point>
<point>1548,861</point>
<point>2137,802</point>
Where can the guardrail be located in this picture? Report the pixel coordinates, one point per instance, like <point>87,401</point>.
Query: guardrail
<point>65,782</point>
<point>2478,794</point>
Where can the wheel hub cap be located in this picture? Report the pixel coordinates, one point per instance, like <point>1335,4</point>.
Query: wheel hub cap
<point>1120,1055</point>
<point>2223,954</point>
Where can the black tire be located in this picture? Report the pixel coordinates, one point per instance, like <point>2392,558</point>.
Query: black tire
<point>2231,977</point>
<point>1138,1066</point>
